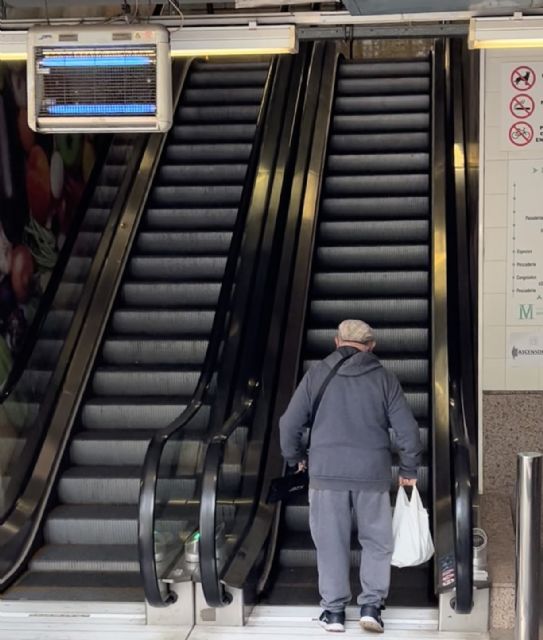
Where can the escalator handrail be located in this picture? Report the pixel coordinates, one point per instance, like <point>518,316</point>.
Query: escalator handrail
<point>462,501</point>
<point>33,331</point>
<point>151,465</point>
<point>209,570</point>
<point>208,511</point>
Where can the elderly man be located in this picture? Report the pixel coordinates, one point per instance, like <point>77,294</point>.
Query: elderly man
<point>350,468</point>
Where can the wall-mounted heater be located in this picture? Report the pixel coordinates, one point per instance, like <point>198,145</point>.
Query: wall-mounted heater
<point>99,78</point>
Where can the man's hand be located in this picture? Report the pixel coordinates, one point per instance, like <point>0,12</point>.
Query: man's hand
<point>302,466</point>
<point>407,482</point>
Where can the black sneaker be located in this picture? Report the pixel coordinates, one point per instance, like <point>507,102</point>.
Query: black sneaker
<point>333,621</point>
<point>370,619</point>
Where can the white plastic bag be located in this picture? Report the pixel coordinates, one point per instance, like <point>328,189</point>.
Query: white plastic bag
<point>411,530</point>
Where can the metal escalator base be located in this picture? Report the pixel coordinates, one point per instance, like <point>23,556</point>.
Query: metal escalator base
<point>410,588</point>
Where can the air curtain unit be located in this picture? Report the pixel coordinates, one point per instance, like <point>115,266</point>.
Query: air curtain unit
<point>99,78</point>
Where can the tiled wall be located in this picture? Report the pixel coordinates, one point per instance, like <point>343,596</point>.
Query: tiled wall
<point>498,371</point>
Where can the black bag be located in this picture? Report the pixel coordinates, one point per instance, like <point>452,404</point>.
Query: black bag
<point>294,483</point>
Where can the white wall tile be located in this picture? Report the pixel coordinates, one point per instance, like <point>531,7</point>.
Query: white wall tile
<point>522,378</point>
<point>495,274</point>
<point>493,144</point>
<point>495,244</point>
<point>493,310</point>
<point>493,374</point>
<point>495,177</point>
<point>495,207</point>
<point>494,342</point>
<point>493,109</point>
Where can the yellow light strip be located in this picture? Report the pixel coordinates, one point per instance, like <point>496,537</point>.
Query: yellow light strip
<point>506,33</point>
<point>230,41</point>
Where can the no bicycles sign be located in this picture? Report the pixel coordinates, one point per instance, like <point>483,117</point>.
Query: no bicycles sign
<point>521,106</point>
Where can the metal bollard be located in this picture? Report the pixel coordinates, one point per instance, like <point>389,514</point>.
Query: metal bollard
<point>528,540</point>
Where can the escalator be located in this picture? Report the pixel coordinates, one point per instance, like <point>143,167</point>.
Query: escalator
<point>151,355</point>
<point>371,261</point>
<point>369,243</point>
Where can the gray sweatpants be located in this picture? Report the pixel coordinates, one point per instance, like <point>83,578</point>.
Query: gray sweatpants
<point>330,516</point>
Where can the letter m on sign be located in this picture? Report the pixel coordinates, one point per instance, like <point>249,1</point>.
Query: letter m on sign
<point>526,311</point>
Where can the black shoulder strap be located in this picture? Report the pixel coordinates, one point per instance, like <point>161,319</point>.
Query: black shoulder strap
<point>326,382</point>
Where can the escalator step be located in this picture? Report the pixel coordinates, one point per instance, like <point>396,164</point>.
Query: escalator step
<point>186,242</point>
<point>382,104</point>
<point>375,208</point>
<point>81,557</point>
<point>374,257</point>
<point>223,132</point>
<point>147,322</point>
<point>222,113</point>
<point>170,294</point>
<point>246,96</point>
<point>193,268</point>
<point>191,219</point>
<point>370,284</point>
<point>202,174</point>
<point>154,352</point>
<point>351,69</point>
<point>92,524</point>
<point>95,218</point>
<point>203,153</point>
<point>111,412</point>
<point>141,382</point>
<point>204,195</point>
<point>374,311</point>
<point>374,231</point>
<point>127,447</point>
<point>377,163</point>
<point>379,142</point>
<point>383,86</point>
<point>118,485</point>
<point>397,122</point>
<point>104,586</point>
<point>391,185</point>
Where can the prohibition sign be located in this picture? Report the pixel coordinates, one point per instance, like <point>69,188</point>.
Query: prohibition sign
<point>521,134</point>
<point>523,78</point>
<point>522,106</point>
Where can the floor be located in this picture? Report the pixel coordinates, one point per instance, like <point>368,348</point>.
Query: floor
<point>297,623</point>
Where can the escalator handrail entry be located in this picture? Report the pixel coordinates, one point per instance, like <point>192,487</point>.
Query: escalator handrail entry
<point>462,503</point>
<point>150,470</point>
<point>33,331</point>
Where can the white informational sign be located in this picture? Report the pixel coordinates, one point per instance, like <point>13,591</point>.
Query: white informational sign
<point>525,243</point>
<point>522,106</point>
<point>525,349</point>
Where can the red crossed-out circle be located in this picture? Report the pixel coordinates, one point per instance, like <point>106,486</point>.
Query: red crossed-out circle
<point>523,78</point>
<point>521,134</point>
<point>522,105</point>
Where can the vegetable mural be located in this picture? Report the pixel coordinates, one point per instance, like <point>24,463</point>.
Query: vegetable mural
<point>42,179</point>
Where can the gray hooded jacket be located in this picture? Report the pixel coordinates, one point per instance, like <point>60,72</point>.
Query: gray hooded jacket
<point>350,441</point>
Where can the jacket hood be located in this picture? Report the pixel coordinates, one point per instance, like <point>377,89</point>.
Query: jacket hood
<point>359,364</point>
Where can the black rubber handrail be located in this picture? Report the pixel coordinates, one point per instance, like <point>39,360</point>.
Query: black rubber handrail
<point>259,407</point>
<point>462,413</point>
<point>284,120</point>
<point>462,504</point>
<point>154,594</point>
<point>34,329</point>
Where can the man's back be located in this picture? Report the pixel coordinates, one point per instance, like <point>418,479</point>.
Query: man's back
<point>350,443</point>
